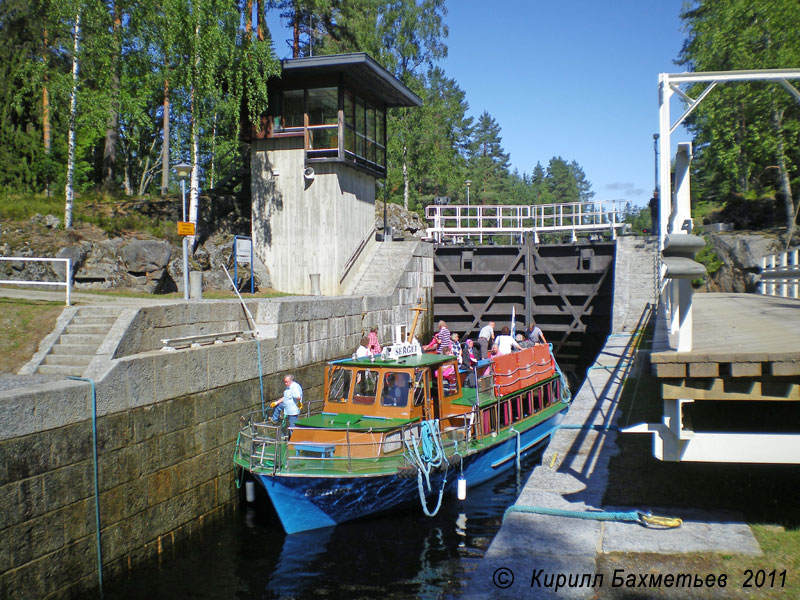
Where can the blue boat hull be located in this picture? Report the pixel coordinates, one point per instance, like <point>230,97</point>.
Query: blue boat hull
<point>313,502</point>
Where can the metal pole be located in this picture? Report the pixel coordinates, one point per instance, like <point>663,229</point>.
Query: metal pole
<point>185,245</point>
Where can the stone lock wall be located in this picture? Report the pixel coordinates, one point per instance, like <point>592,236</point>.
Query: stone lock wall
<point>167,423</point>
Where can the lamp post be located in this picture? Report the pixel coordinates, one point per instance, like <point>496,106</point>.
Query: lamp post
<point>468,182</point>
<point>183,170</point>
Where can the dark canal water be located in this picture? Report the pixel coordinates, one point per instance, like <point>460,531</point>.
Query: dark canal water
<point>403,555</point>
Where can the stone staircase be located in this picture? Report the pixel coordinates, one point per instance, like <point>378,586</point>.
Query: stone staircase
<point>635,286</point>
<point>77,345</point>
<point>374,277</point>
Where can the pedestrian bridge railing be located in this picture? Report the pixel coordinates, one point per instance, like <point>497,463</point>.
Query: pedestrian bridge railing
<point>452,221</point>
<point>67,283</point>
<point>780,274</point>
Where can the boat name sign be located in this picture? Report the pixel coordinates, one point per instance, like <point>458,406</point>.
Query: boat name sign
<point>402,349</point>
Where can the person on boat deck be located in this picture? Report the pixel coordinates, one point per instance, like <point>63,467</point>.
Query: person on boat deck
<point>373,344</point>
<point>394,394</point>
<point>441,339</point>
<point>524,342</point>
<point>455,344</point>
<point>292,395</point>
<point>504,343</point>
<point>486,339</point>
<point>535,334</point>
<point>470,361</point>
<point>445,339</point>
<point>448,370</point>
<point>363,350</point>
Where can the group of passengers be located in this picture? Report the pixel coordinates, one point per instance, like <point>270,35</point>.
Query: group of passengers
<point>488,344</point>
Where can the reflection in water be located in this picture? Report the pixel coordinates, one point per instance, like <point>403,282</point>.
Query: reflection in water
<point>403,554</point>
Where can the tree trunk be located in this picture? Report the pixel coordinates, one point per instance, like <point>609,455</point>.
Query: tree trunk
<point>73,109</point>
<point>405,178</point>
<point>193,185</point>
<point>165,143</point>
<point>112,125</point>
<point>296,33</point>
<point>213,151</point>
<point>46,112</point>
<point>786,184</point>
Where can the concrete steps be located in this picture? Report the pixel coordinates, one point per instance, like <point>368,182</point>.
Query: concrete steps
<point>77,345</point>
<point>389,257</point>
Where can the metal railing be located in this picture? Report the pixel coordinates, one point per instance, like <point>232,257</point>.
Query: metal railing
<point>780,274</point>
<point>67,283</point>
<point>483,220</point>
<point>268,448</point>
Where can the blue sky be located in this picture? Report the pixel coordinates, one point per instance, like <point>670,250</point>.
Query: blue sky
<point>571,78</point>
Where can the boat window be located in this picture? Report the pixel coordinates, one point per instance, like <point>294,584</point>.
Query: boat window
<point>488,420</point>
<point>339,388</point>
<point>515,409</point>
<point>419,387</point>
<point>450,383</point>
<point>395,389</point>
<point>366,386</point>
<point>527,404</point>
<point>504,415</point>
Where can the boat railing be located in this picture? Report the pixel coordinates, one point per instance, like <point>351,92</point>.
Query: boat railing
<point>265,447</point>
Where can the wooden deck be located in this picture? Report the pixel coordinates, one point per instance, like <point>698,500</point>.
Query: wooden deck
<point>735,397</point>
<point>755,335</point>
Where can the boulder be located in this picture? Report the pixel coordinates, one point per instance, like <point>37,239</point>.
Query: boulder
<point>146,256</point>
<point>403,223</point>
<point>740,253</point>
<point>77,254</point>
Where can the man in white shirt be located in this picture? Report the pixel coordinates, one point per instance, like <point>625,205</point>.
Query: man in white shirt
<point>292,395</point>
<point>486,338</point>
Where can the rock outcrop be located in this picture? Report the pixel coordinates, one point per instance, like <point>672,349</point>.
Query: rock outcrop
<point>403,223</point>
<point>125,262</point>
<point>740,253</point>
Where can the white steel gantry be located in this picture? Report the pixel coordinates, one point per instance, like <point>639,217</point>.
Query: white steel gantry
<point>715,372</point>
<point>457,221</point>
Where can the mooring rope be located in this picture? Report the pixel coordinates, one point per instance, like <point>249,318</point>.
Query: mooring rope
<point>645,518</point>
<point>431,456</point>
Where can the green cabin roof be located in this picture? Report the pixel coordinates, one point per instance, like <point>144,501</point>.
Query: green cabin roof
<point>423,360</point>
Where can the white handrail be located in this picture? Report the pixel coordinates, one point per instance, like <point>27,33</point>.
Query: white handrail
<point>480,219</point>
<point>67,283</point>
<point>780,274</point>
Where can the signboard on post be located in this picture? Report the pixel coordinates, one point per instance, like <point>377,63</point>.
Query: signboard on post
<point>185,228</point>
<point>243,252</point>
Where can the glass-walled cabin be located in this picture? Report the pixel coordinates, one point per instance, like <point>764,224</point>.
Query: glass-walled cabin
<point>335,122</point>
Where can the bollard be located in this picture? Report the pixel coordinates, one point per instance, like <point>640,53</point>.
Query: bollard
<point>196,285</point>
<point>250,491</point>
<point>314,284</point>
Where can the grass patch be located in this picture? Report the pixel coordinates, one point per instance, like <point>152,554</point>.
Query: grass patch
<point>766,496</point>
<point>23,324</point>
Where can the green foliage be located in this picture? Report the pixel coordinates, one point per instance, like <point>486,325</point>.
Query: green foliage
<point>746,132</point>
<point>709,259</point>
<point>640,220</point>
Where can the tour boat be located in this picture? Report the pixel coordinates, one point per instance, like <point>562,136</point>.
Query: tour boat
<point>402,426</point>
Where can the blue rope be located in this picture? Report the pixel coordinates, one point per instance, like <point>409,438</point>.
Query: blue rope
<point>261,379</point>
<point>431,456</point>
<point>599,515</point>
<point>96,481</point>
<point>566,394</point>
<point>636,516</point>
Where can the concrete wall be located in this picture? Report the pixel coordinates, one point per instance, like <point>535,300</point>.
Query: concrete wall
<point>635,267</point>
<point>167,422</point>
<point>305,226</point>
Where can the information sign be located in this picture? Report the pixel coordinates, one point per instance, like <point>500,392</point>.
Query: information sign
<point>185,228</point>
